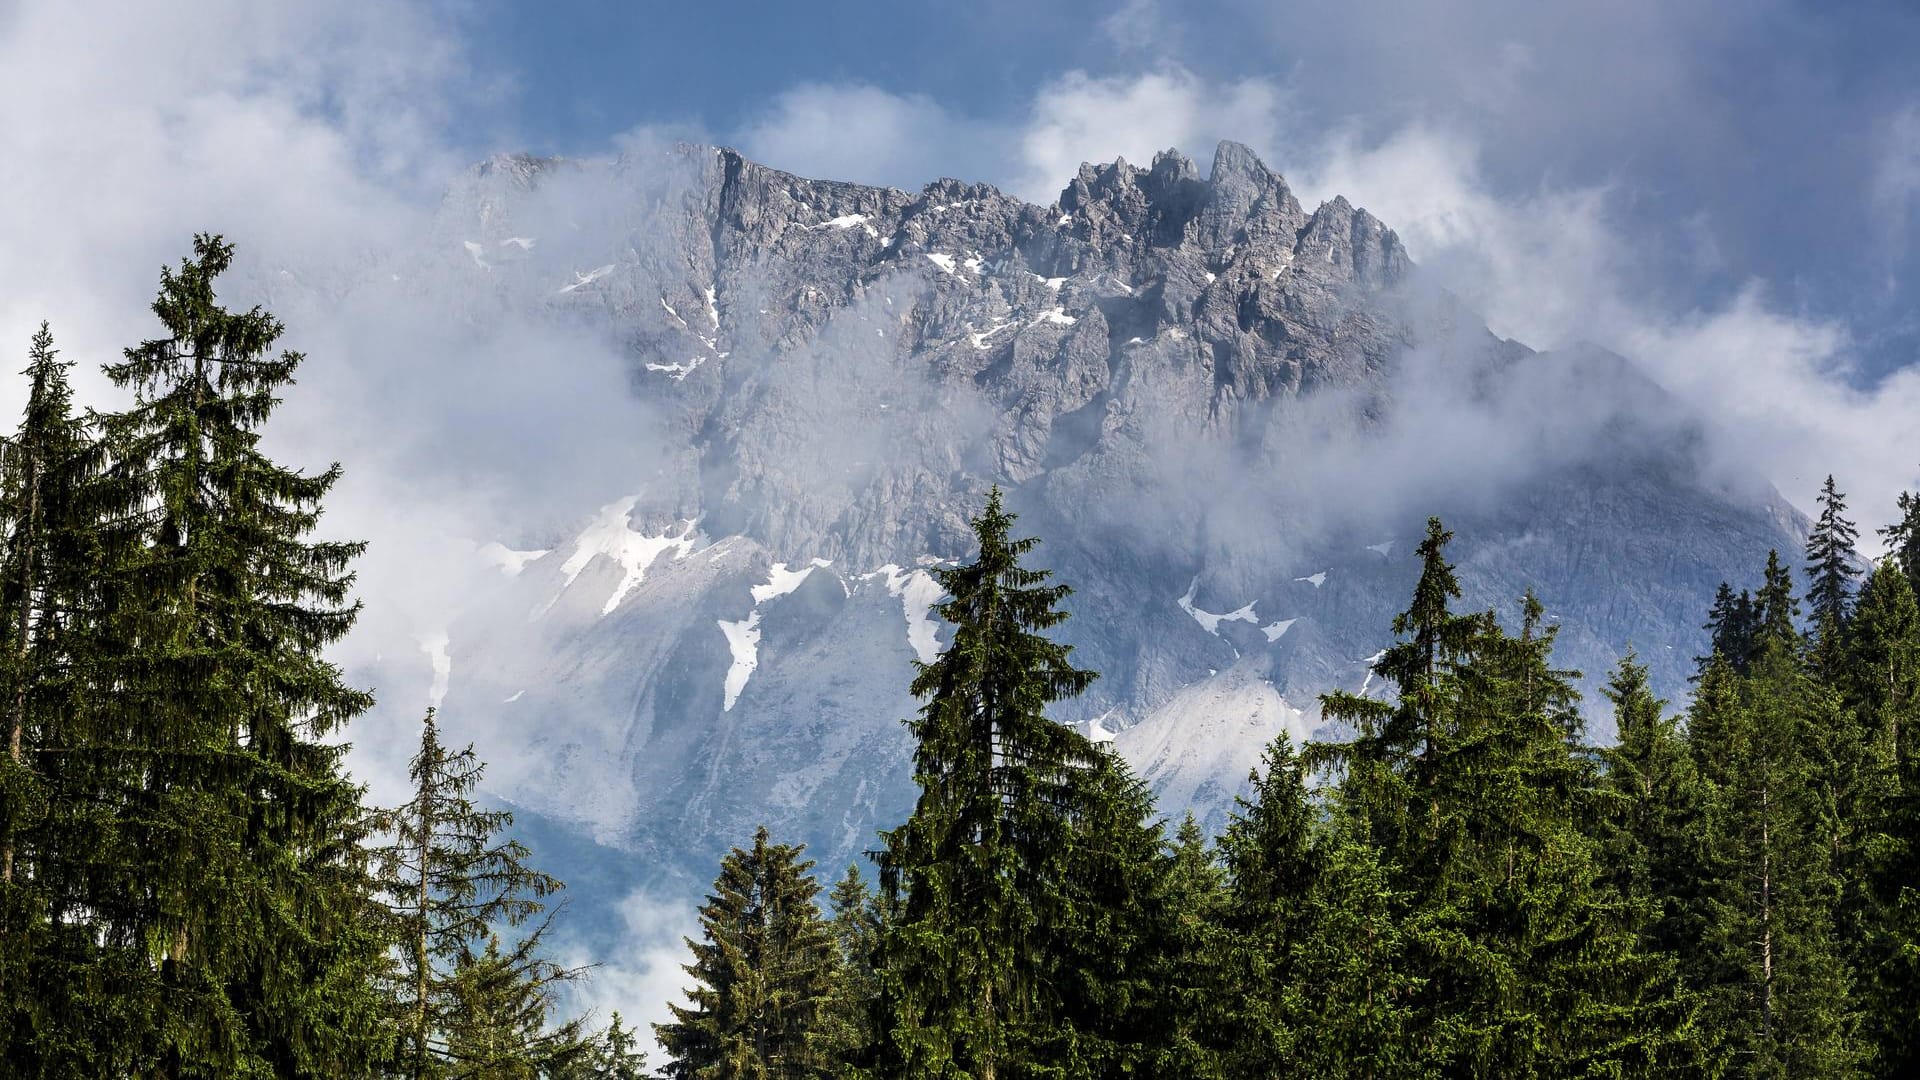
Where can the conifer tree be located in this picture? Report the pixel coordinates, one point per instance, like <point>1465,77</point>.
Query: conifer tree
<point>1830,580</point>
<point>448,878</point>
<point>847,1031</point>
<point>1776,609</point>
<point>978,874</point>
<point>1526,961</point>
<point>1271,861</point>
<point>1882,920</point>
<point>497,1027</point>
<point>764,970</point>
<point>1768,958</point>
<point>47,484</point>
<point>1197,977</point>
<point>223,884</point>
<point>1903,538</point>
<point>1731,626</point>
<point>1650,811</point>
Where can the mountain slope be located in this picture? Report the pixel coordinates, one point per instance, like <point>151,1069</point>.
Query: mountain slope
<point>1227,415</point>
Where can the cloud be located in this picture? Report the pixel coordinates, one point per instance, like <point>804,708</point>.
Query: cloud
<point>1083,118</point>
<point>859,132</point>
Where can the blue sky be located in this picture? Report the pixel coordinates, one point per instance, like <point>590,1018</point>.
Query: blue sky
<point>1739,142</point>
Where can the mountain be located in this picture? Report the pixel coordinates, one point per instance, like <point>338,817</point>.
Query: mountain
<point>1228,417</point>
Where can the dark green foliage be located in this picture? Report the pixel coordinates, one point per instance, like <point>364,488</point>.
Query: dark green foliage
<point>1881,918</point>
<point>1271,867</point>
<point>202,874</point>
<point>1649,812</point>
<point>1768,957</point>
<point>982,873</point>
<point>765,973</point>
<point>1524,958</point>
<point>447,878</point>
<point>1830,578</point>
<point>1903,538</point>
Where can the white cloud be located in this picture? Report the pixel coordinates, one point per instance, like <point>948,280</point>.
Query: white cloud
<point>1080,118</point>
<point>859,132</point>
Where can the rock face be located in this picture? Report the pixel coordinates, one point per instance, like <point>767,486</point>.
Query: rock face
<point>1227,416</point>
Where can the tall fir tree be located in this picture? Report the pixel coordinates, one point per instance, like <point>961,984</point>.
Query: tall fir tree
<point>1271,863</point>
<point>979,873</point>
<point>448,877</point>
<point>1195,978</point>
<point>498,1024</point>
<point>1731,626</point>
<point>1903,538</point>
<point>847,1030</point>
<point>224,890</point>
<point>1649,810</point>
<point>48,484</point>
<point>1830,580</point>
<point>1769,959</point>
<point>1527,962</point>
<point>1883,895</point>
<point>765,973</point>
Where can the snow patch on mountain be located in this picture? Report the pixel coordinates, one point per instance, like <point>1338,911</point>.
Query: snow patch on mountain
<point>1209,621</point>
<point>743,641</point>
<point>509,561</point>
<point>782,580</point>
<point>610,536</point>
<point>1275,630</point>
<point>1316,580</point>
<point>918,592</point>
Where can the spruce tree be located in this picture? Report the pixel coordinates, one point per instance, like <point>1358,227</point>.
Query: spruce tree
<point>1769,959</point>
<point>978,875</point>
<point>1649,811</point>
<point>1903,538</point>
<point>47,489</point>
<point>765,972</point>
<point>448,878</point>
<point>224,889</point>
<point>1526,961</point>
<point>1776,611</point>
<point>847,1030</point>
<point>1197,987</point>
<point>1271,862</point>
<point>1830,580</point>
<point>1882,917</point>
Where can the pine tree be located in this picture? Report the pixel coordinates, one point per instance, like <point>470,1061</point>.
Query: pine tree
<point>1650,811</point>
<point>1882,904</point>
<point>219,876</point>
<point>1769,959</point>
<point>847,1030</point>
<point>1387,770</point>
<point>1776,609</point>
<point>47,484</point>
<point>1196,978</point>
<point>1903,538</point>
<point>497,1025</point>
<point>1731,626</point>
<point>448,878</point>
<point>765,972</point>
<point>1106,951</point>
<point>978,874</point>
<point>1526,961</point>
<point>1830,579</point>
<point>1357,969</point>
<point>1271,864</point>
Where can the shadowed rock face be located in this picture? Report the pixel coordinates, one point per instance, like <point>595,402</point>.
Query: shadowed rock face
<point>1228,417</point>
